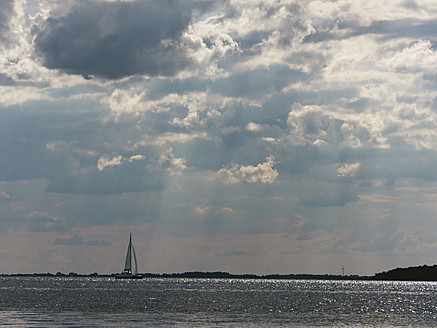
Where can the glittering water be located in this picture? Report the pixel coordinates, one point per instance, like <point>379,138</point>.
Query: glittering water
<point>105,302</point>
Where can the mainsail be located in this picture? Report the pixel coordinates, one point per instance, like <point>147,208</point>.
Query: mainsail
<point>128,262</point>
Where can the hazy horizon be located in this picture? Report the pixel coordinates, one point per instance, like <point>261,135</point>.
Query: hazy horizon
<point>240,136</point>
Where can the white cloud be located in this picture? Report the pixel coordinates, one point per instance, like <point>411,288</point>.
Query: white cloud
<point>324,126</point>
<point>419,57</point>
<point>4,194</point>
<point>348,170</point>
<point>201,211</point>
<point>111,161</point>
<point>223,210</point>
<point>168,161</point>
<point>105,161</point>
<point>125,101</point>
<point>136,158</point>
<point>263,172</point>
<point>253,127</point>
<point>205,58</point>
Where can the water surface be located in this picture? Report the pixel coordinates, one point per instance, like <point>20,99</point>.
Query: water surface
<point>106,302</point>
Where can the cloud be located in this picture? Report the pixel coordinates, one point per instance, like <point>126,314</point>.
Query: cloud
<point>125,101</point>
<point>321,126</point>
<point>348,169</point>
<point>7,11</point>
<point>400,28</point>
<point>257,82</point>
<point>248,35</point>
<point>4,194</point>
<point>263,172</point>
<point>9,221</point>
<point>43,151</point>
<point>201,211</point>
<point>411,4</point>
<point>122,180</point>
<point>168,161</point>
<point>253,127</point>
<point>105,161</point>
<point>42,222</point>
<point>340,95</point>
<point>108,161</point>
<point>98,243</point>
<point>72,241</point>
<point>330,197</point>
<point>117,39</point>
<point>420,57</point>
<point>241,252</point>
<point>6,80</point>
<point>136,158</point>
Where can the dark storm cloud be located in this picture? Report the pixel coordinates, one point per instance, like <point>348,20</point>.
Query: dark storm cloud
<point>6,13</point>
<point>117,39</point>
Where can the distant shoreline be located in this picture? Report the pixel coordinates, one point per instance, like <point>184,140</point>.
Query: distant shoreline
<point>421,273</point>
<point>204,275</point>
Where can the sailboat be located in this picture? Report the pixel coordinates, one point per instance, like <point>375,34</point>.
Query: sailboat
<point>127,272</point>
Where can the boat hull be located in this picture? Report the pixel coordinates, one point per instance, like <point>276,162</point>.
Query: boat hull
<point>128,276</point>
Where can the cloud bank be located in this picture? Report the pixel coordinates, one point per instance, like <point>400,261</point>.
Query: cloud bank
<point>271,132</point>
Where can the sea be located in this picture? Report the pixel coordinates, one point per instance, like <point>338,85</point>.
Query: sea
<point>155,302</point>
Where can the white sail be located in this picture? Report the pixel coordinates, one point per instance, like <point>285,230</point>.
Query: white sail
<point>135,258</point>
<point>128,262</point>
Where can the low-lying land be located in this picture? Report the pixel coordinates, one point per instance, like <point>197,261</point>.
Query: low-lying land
<point>422,273</point>
<point>206,275</point>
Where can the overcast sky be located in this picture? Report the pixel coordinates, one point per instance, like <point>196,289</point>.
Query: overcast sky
<point>294,136</point>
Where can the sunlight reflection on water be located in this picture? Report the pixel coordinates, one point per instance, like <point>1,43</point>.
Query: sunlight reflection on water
<point>86,302</point>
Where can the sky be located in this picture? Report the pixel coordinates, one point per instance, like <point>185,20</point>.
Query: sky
<point>295,136</point>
